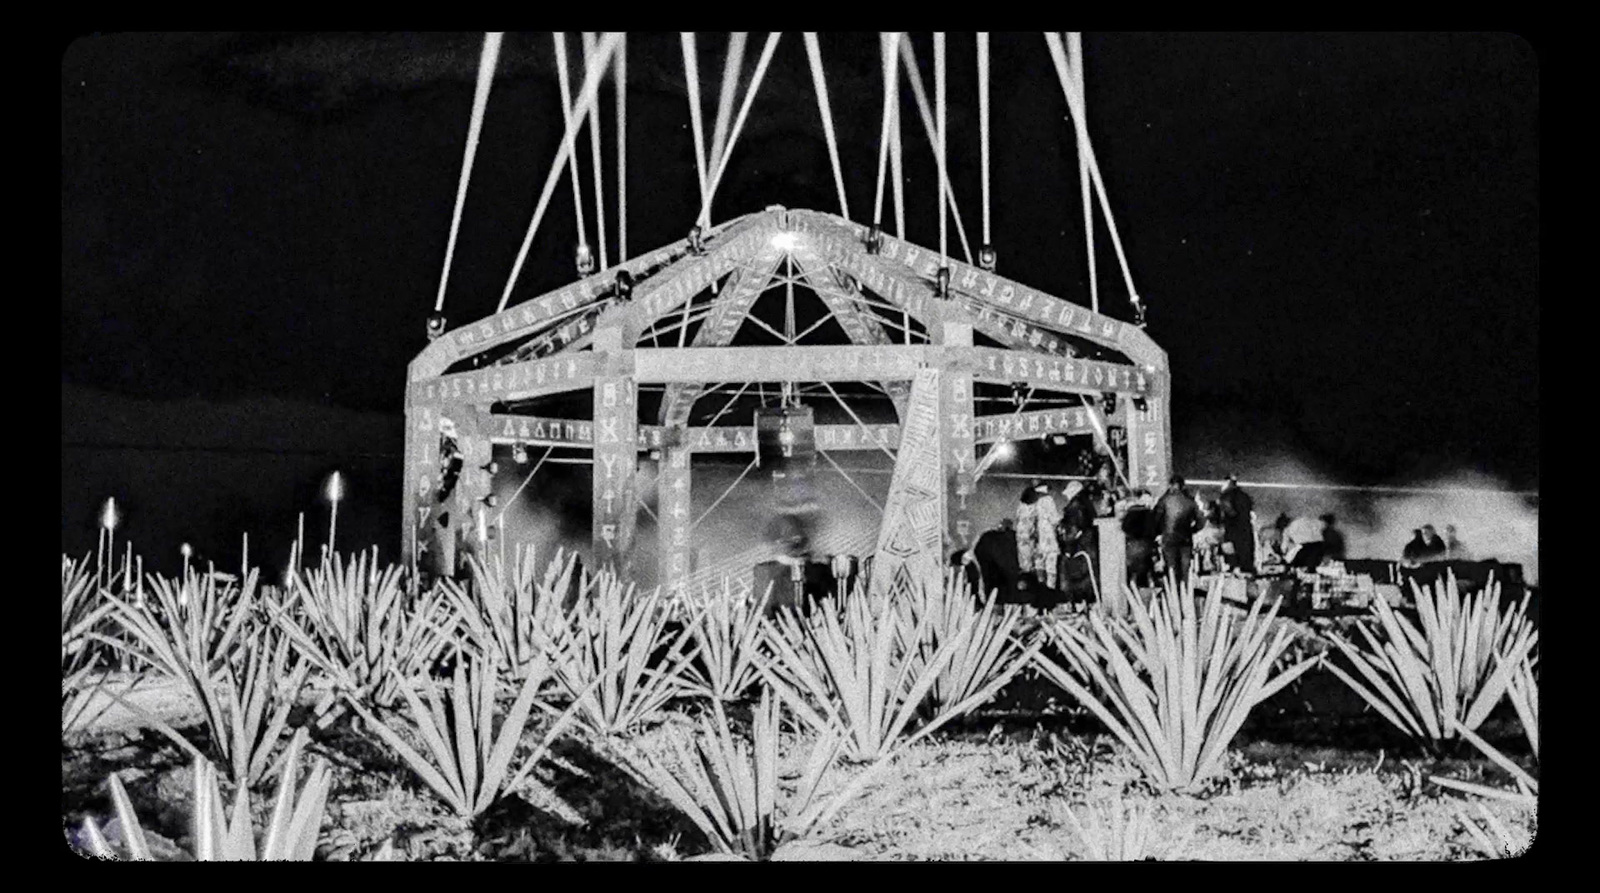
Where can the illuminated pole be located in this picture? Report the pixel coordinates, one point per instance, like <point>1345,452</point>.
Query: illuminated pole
<point>108,528</point>
<point>335,493</point>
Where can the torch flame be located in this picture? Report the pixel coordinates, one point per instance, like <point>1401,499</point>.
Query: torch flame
<point>108,515</point>
<point>335,487</point>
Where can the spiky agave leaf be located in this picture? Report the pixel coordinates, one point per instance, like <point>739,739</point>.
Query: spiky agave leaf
<point>729,635</point>
<point>1172,682</point>
<point>466,757</point>
<point>997,648</point>
<point>1113,830</point>
<point>861,672</point>
<point>729,786</point>
<point>1425,680</point>
<point>357,625</point>
<point>622,655</point>
<point>508,610</point>
<point>291,829</point>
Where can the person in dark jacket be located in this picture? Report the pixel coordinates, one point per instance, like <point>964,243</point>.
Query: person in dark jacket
<point>1239,532</point>
<point>1177,517</point>
<point>1436,550</point>
<point>1080,543</point>
<point>998,566</point>
<point>1333,537</point>
<point>1138,525</point>
<point>1416,550</point>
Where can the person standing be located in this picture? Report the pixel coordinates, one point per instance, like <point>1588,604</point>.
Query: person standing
<point>1239,540</point>
<point>1436,548</point>
<point>1138,526</point>
<point>1177,517</point>
<point>1455,550</point>
<point>1415,551</point>
<point>1332,538</point>
<point>1027,523</point>
<point>1080,541</point>
<point>1046,544</point>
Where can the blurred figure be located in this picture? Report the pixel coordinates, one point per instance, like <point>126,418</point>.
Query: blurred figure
<point>1080,542</point>
<point>1303,545</point>
<point>1455,550</point>
<point>1415,551</point>
<point>1436,549</point>
<point>1271,540</point>
<point>1238,510</point>
<point>1138,525</point>
<point>1208,542</point>
<point>1333,537</point>
<point>1177,517</point>
<point>1027,521</point>
<point>1037,546</point>
<point>996,555</point>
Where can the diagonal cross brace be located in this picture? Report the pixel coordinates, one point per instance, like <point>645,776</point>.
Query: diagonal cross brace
<point>732,305</point>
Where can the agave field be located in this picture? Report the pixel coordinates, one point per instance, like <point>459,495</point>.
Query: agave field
<point>528,715</point>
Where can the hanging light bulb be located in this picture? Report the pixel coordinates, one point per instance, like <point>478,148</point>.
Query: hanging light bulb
<point>519,453</point>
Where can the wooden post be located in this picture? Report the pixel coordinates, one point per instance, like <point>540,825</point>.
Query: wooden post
<point>957,443</point>
<point>673,501</point>
<point>616,456</point>
<point>1113,579</point>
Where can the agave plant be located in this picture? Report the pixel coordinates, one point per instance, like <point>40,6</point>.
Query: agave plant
<point>1118,831</point>
<point>355,624</point>
<point>1175,683</point>
<point>245,687</point>
<point>81,677</point>
<point>509,610</point>
<point>729,634</point>
<point>1428,681</point>
<point>467,757</point>
<point>730,788</point>
<point>994,649</point>
<point>291,830</point>
<point>622,661</point>
<point>865,673</point>
<point>1523,693</point>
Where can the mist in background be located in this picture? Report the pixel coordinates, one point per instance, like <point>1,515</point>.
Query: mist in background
<point>255,466</point>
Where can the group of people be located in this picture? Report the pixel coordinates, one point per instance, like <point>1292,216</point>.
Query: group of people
<point>1301,543</point>
<point>1211,535</point>
<point>1426,545</point>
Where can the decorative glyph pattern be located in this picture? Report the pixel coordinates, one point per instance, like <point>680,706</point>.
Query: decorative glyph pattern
<point>911,540</point>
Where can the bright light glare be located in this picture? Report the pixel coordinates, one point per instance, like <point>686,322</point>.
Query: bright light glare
<point>785,240</point>
<point>187,550</point>
<point>108,515</point>
<point>1002,450</point>
<point>335,487</point>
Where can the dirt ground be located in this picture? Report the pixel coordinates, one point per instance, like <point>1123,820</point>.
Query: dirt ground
<point>1313,776</point>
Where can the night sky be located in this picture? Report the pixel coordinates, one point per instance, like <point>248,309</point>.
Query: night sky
<point>1336,235</point>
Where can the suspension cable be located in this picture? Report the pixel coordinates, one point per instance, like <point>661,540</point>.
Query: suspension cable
<point>1075,104</point>
<point>895,165</point>
<point>725,493</point>
<point>480,101</point>
<point>594,143</point>
<point>814,51</point>
<point>909,57</point>
<point>732,63</point>
<point>1075,58</point>
<point>586,102</point>
<point>621,76</point>
<point>738,124</point>
<point>691,70</point>
<point>566,118</point>
<point>890,97</point>
<point>938,105</point>
<point>983,124</point>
